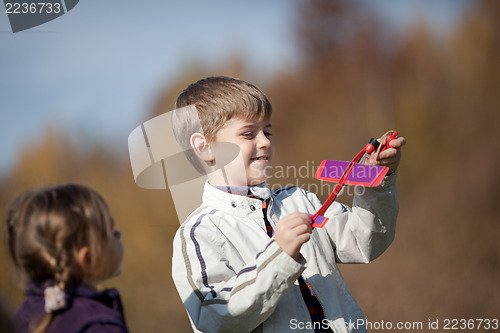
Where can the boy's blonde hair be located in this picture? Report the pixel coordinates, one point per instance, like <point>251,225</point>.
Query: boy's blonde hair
<point>48,226</point>
<point>217,100</point>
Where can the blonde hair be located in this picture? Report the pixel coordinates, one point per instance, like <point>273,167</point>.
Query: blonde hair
<point>217,99</point>
<point>46,228</point>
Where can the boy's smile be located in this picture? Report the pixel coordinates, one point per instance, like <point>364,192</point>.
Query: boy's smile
<point>256,150</point>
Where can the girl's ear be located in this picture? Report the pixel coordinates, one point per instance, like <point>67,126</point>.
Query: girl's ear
<point>84,261</point>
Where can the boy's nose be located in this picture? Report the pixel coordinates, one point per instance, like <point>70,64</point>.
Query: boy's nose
<point>263,141</point>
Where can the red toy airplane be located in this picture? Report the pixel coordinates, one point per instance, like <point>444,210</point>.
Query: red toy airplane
<point>350,173</point>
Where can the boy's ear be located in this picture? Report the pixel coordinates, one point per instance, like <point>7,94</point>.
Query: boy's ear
<point>84,261</point>
<point>201,146</point>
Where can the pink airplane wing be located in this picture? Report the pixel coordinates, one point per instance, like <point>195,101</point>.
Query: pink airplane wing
<point>361,174</point>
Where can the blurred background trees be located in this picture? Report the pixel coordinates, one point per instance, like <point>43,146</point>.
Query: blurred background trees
<point>441,93</point>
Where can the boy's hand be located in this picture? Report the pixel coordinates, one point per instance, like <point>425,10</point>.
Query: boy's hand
<point>291,232</point>
<point>389,157</point>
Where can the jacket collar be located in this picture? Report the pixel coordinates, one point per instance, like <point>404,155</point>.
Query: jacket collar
<point>235,204</point>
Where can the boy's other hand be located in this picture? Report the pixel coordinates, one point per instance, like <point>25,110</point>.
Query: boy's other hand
<point>389,157</point>
<point>291,232</point>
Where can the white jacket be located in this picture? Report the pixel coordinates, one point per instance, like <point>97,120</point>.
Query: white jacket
<point>232,277</point>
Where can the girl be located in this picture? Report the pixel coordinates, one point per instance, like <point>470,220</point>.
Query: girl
<point>62,239</point>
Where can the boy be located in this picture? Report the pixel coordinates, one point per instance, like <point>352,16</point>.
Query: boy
<point>248,259</point>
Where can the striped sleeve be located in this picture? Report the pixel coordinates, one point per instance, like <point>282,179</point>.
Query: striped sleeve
<point>219,299</point>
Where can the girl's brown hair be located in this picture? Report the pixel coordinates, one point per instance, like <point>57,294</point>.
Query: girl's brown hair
<point>46,229</point>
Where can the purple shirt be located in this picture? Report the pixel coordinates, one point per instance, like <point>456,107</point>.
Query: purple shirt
<point>87,310</point>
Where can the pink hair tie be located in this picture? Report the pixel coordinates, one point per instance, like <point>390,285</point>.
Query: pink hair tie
<point>54,299</point>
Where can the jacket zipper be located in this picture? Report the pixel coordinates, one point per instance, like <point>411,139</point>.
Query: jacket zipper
<point>322,308</point>
<point>268,213</point>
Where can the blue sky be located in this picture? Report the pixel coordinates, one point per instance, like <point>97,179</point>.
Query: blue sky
<point>95,71</point>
